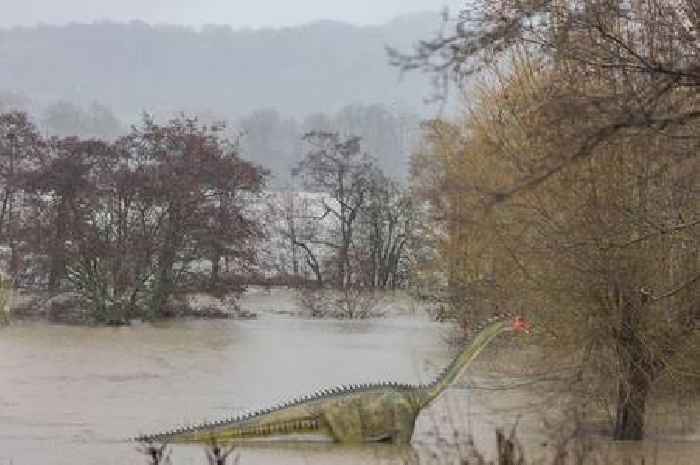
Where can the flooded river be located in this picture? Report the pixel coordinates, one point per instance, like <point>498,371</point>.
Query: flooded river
<point>70,395</point>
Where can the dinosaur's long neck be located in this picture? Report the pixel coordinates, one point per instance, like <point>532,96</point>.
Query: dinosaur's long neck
<point>461,362</point>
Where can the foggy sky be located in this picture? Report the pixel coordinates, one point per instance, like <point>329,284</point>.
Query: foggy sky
<point>236,13</point>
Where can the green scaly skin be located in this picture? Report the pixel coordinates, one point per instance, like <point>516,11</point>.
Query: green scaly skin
<point>350,414</point>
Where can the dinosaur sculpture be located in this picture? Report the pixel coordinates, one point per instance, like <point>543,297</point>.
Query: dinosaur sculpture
<point>357,413</point>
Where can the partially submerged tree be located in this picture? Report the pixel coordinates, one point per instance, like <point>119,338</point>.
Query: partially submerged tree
<point>591,139</point>
<point>339,169</point>
<point>362,216</point>
<point>385,230</point>
<point>62,192</point>
<point>192,201</point>
<point>125,223</point>
<point>606,250</point>
<point>296,221</point>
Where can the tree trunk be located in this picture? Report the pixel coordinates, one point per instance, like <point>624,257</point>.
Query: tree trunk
<point>57,252</point>
<point>164,283</point>
<point>215,269</point>
<point>3,214</point>
<point>638,370</point>
<point>631,407</point>
<point>313,263</point>
<point>162,290</point>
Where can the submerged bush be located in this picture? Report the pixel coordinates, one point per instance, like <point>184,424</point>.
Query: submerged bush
<point>350,303</point>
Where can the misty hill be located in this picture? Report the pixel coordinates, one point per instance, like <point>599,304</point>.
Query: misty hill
<point>318,67</point>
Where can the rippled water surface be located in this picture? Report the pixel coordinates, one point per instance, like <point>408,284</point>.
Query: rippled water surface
<point>70,395</point>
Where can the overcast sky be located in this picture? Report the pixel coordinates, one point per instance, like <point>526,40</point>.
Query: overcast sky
<point>237,13</point>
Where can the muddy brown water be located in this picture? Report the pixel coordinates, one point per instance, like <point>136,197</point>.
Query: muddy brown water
<point>71,395</point>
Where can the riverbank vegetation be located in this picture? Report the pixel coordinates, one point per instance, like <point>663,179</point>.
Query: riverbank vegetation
<point>570,187</point>
<point>121,225</point>
<point>99,231</point>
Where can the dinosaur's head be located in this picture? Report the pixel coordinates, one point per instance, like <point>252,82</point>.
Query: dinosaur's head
<point>520,325</point>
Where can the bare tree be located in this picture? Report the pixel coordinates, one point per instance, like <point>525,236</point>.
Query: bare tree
<point>297,220</point>
<point>21,147</point>
<point>339,169</point>
<point>385,229</point>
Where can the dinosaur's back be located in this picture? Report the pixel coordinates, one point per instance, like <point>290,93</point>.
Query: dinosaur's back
<point>325,414</point>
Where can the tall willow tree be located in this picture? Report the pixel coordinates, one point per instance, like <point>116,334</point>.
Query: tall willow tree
<point>599,137</point>
<point>607,249</point>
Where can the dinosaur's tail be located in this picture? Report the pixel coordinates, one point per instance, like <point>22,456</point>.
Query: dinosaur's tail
<point>269,423</point>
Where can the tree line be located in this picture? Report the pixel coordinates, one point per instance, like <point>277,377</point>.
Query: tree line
<point>134,224</point>
<point>265,135</point>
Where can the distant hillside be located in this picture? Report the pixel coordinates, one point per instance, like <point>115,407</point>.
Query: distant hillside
<point>319,67</point>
